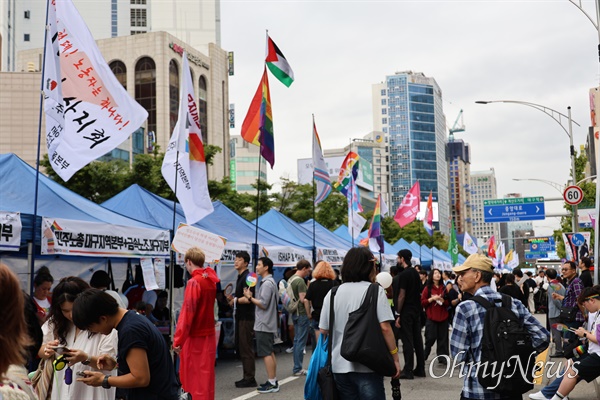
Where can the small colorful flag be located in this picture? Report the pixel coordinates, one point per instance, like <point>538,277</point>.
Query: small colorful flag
<point>320,174</point>
<point>491,243</point>
<point>410,206</point>
<point>469,244</point>
<point>258,124</point>
<point>348,169</point>
<point>375,236</point>
<point>428,219</point>
<point>453,245</point>
<point>355,220</point>
<point>277,63</point>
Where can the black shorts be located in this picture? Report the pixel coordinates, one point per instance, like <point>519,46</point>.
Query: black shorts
<point>589,367</point>
<point>264,343</point>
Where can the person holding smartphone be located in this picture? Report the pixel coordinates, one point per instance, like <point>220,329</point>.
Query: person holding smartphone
<point>73,348</point>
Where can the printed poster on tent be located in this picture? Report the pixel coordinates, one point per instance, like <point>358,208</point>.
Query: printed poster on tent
<point>283,256</point>
<point>92,239</point>
<point>577,245</point>
<point>10,231</point>
<point>334,257</point>
<point>188,236</point>
<point>153,271</point>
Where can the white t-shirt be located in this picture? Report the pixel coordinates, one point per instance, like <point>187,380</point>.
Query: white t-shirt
<point>348,298</point>
<point>594,327</point>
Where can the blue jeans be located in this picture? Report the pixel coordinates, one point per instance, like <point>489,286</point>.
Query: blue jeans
<point>300,335</point>
<point>360,386</point>
<point>550,390</point>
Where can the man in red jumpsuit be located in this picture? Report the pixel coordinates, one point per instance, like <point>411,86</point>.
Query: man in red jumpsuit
<point>194,338</point>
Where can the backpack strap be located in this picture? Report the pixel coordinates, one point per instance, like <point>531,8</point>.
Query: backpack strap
<point>482,302</point>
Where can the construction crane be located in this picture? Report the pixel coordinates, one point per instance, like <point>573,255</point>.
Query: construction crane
<point>459,126</point>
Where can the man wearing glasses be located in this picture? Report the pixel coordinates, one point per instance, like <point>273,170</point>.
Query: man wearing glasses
<point>574,287</point>
<point>467,330</point>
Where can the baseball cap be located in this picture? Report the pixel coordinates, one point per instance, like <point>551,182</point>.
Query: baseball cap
<point>476,261</point>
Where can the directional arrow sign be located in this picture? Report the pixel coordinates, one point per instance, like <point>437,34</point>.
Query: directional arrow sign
<point>514,209</point>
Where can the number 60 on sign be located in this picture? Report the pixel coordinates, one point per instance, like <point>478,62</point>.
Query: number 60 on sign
<point>573,195</point>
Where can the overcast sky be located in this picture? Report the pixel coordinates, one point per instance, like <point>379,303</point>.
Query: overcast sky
<point>543,52</point>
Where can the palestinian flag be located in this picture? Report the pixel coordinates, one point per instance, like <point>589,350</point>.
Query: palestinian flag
<point>277,63</point>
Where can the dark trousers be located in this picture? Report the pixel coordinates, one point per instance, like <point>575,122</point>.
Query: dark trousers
<point>244,335</point>
<point>412,341</point>
<point>436,331</point>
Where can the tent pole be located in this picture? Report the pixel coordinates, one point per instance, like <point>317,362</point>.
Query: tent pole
<point>31,245</point>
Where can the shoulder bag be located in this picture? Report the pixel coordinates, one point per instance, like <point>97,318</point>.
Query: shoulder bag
<point>325,377</point>
<point>568,314</point>
<point>363,340</point>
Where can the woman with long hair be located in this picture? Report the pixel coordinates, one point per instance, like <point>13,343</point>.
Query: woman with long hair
<point>324,280</point>
<point>435,302</point>
<point>78,348</point>
<point>354,380</point>
<point>14,383</point>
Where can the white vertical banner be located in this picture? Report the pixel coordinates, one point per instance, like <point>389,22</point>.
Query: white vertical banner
<point>88,112</point>
<point>184,165</point>
<point>148,273</point>
<point>159,272</point>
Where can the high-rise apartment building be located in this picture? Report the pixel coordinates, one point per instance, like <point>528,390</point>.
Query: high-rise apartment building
<point>196,23</point>
<point>407,107</point>
<point>243,165</point>
<point>459,166</point>
<point>483,187</point>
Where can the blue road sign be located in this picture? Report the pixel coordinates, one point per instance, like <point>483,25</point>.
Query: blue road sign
<point>535,256</point>
<point>578,239</point>
<point>514,209</point>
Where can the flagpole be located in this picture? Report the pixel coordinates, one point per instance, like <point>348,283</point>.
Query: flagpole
<point>31,245</point>
<point>171,252</point>
<point>255,247</point>
<point>314,193</point>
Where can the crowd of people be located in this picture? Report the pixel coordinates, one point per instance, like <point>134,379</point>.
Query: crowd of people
<point>82,341</point>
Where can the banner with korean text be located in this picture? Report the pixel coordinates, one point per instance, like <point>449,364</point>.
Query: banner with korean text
<point>10,231</point>
<point>283,256</point>
<point>92,239</point>
<point>88,112</point>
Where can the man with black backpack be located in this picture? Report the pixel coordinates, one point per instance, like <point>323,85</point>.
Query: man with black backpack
<point>495,337</point>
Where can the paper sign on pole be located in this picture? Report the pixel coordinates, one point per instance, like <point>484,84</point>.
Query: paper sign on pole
<point>148,272</point>
<point>188,236</point>
<point>159,272</point>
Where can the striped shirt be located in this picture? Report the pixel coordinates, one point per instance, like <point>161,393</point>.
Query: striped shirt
<point>467,333</point>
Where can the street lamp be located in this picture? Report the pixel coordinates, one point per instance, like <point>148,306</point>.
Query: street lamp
<point>559,118</point>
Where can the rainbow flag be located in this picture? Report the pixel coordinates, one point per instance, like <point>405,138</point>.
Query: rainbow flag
<point>375,236</point>
<point>428,219</point>
<point>258,124</point>
<point>348,172</point>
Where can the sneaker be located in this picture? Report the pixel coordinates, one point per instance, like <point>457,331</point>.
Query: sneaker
<point>290,350</point>
<point>300,373</point>
<point>246,383</point>
<point>268,387</point>
<point>538,396</point>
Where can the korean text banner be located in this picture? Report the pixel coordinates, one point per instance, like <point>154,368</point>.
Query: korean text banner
<point>88,112</point>
<point>92,239</point>
<point>283,256</point>
<point>10,231</point>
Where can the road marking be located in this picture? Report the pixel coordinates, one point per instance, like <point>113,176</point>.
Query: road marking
<point>255,393</point>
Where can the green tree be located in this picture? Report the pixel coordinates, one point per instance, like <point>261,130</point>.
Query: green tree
<point>333,211</point>
<point>294,201</point>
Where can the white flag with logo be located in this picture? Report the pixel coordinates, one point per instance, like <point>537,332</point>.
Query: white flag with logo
<point>88,112</point>
<point>469,244</point>
<point>184,159</point>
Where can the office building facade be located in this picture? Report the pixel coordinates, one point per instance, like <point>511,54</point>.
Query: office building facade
<point>407,107</point>
<point>243,165</point>
<point>459,169</point>
<point>483,187</point>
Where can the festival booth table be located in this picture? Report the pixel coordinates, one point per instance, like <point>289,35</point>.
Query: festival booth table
<point>79,237</point>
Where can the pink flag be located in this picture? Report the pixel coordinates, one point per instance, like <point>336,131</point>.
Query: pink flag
<point>410,207</point>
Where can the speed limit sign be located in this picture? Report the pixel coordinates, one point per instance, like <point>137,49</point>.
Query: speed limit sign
<point>573,195</point>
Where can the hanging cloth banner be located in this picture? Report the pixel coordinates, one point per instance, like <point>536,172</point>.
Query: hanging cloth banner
<point>92,239</point>
<point>10,231</point>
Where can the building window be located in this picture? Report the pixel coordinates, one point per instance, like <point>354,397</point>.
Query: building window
<point>138,2</point>
<point>383,102</point>
<point>138,17</point>
<point>113,18</point>
<point>173,94</point>
<point>384,111</point>
<point>27,14</point>
<point>384,120</point>
<point>383,92</point>
<point>26,37</point>
<point>203,107</point>
<point>119,69</point>
<point>145,88</point>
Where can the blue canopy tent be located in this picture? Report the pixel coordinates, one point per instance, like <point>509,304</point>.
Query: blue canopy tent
<point>323,232</point>
<point>17,190</point>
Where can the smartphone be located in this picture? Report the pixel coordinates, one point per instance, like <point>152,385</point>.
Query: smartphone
<point>60,349</point>
<point>81,374</point>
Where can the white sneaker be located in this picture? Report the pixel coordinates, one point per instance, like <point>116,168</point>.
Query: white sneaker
<point>290,350</point>
<point>538,396</point>
<point>300,373</point>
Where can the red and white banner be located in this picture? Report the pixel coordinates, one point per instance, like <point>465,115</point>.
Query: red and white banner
<point>88,112</point>
<point>410,206</point>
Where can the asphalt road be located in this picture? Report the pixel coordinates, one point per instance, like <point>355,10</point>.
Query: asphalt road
<point>229,370</point>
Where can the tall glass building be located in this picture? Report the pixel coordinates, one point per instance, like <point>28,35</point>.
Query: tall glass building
<point>407,107</point>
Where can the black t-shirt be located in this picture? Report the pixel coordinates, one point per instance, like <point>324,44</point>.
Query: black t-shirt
<point>586,278</point>
<point>243,312</point>
<point>515,292</point>
<point>136,331</point>
<point>316,292</point>
<point>410,281</point>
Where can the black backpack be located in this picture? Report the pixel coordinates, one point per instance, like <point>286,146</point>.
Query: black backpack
<point>506,349</point>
